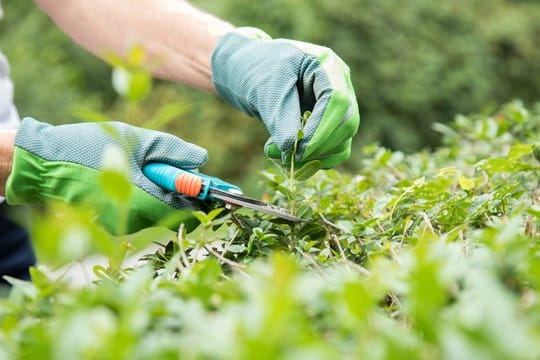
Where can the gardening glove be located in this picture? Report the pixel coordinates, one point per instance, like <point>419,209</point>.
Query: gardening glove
<point>277,81</point>
<point>64,162</point>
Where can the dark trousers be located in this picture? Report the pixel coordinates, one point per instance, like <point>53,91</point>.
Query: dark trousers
<point>16,253</point>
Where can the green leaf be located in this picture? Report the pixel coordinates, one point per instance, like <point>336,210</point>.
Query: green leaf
<point>465,183</point>
<point>304,212</point>
<point>313,231</point>
<point>114,176</point>
<point>519,150</point>
<point>213,214</point>
<point>139,86</point>
<point>134,85</point>
<point>499,165</point>
<point>165,115</point>
<point>308,170</point>
<point>536,152</point>
<point>535,211</point>
<point>237,248</point>
<point>305,117</point>
<point>202,217</point>
<point>285,191</point>
<point>137,56</point>
<point>115,185</point>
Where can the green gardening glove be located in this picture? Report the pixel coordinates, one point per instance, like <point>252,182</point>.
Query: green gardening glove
<point>277,81</point>
<point>63,163</point>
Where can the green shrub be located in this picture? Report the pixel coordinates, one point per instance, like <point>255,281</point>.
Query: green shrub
<point>422,256</point>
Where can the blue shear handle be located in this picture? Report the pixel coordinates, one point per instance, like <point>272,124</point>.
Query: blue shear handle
<point>165,175</point>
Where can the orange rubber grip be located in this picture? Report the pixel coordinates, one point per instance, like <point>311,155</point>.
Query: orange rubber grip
<point>188,184</point>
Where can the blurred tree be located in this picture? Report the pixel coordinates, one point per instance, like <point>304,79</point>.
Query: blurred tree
<point>51,74</point>
<point>412,62</point>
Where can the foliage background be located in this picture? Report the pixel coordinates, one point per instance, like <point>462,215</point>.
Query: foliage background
<point>413,63</point>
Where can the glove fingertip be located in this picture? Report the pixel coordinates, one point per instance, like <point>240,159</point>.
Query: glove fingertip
<point>177,152</point>
<point>199,156</point>
<point>337,159</point>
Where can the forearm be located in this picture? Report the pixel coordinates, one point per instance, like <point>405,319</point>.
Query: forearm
<point>175,36</point>
<point>7,139</point>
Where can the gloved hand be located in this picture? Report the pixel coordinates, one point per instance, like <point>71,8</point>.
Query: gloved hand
<point>63,163</point>
<point>277,81</point>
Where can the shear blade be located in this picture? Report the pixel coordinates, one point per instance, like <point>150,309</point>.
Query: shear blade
<point>249,203</point>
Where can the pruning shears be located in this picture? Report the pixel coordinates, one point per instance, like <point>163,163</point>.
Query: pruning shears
<point>201,186</point>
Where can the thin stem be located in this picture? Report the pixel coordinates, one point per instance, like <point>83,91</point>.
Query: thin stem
<point>337,227</point>
<point>292,181</point>
<point>123,218</point>
<point>223,259</point>
<point>293,236</point>
<point>183,261</point>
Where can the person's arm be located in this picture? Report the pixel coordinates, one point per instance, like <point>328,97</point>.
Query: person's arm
<point>274,80</point>
<point>7,138</point>
<point>174,34</point>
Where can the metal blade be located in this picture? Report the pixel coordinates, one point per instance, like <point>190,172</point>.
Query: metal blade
<point>241,200</point>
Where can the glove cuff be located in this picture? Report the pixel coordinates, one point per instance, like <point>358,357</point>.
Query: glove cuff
<point>22,185</point>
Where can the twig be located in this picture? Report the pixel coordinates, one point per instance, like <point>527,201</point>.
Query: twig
<point>184,263</point>
<point>317,266</point>
<point>341,252</point>
<point>224,259</point>
<point>427,222</point>
<point>348,262</point>
<point>335,226</point>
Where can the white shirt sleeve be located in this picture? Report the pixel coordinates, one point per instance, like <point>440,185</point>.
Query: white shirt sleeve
<point>9,118</point>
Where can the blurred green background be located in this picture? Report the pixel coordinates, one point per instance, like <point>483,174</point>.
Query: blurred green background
<point>413,63</point>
